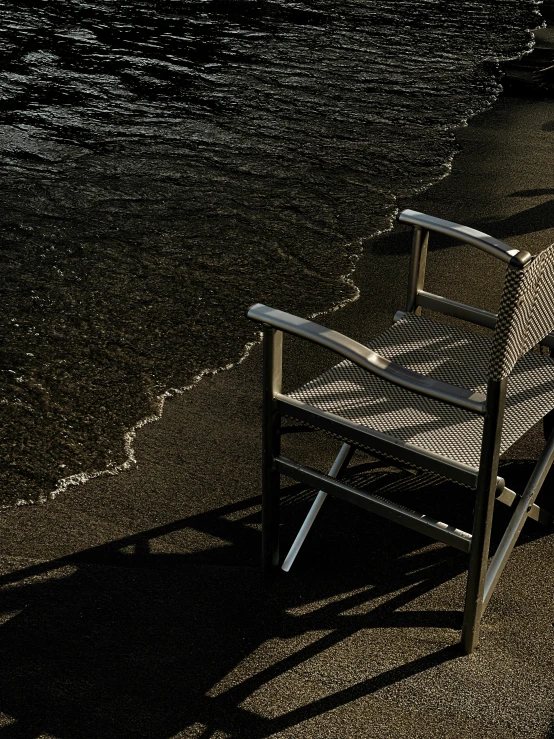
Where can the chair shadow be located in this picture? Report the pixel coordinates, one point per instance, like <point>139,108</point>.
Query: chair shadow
<point>530,220</point>
<point>120,642</point>
<point>536,218</point>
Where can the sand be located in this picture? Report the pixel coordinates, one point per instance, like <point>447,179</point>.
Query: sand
<point>134,606</point>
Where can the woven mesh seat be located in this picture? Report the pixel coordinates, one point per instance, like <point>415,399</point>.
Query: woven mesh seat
<point>445,353</point>
<point>428,395</point>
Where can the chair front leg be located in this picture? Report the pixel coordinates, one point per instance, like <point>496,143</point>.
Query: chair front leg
<point>271,443</point>
<point>482,522</point>
<point>271,488</point>
<point>477,570</point>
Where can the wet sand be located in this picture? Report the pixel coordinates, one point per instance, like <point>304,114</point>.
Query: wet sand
<point>133,605</point>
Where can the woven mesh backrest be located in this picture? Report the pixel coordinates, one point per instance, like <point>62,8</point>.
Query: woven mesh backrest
<point>526,313</point>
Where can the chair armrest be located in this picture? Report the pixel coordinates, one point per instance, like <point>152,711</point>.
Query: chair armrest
<point>515,258</point>
<point>368,359</point>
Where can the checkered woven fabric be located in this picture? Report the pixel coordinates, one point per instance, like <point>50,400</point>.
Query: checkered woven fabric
<point>526,313</point>
<point>445,353</point>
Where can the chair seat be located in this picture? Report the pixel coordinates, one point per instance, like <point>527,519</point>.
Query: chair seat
<point>445,353</point>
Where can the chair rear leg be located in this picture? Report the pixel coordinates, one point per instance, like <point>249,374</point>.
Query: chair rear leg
<point>339,465</point>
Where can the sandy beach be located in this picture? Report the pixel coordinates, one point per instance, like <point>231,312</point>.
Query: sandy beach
<point>134,605</point>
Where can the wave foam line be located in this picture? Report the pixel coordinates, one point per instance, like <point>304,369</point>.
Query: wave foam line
<point>128,439</point>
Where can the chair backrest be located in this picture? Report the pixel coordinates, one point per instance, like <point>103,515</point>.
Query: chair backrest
<point>526,313</point>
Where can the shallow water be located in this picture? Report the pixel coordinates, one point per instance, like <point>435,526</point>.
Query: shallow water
<point>166,164</point>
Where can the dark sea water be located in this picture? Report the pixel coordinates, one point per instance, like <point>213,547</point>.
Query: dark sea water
<point>167,163</point>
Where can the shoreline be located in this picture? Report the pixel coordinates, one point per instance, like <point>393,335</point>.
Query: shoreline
<point>512,80</point>
<point>369,313</point>
<point>151,575</point>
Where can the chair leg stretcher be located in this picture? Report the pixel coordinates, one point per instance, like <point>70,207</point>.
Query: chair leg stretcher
<point>341,462</point>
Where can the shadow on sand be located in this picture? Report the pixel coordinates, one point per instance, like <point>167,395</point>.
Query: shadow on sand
<point>530,220</point>
<point>120,642</point>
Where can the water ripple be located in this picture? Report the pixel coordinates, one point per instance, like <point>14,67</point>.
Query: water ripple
<point>166,164</point>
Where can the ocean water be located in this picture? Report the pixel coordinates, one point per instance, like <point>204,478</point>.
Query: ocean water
<point>166,163</point>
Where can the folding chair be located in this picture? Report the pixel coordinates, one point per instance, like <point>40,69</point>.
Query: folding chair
<point>426,395</point>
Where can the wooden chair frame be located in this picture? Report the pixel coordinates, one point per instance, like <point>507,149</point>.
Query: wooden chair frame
<point>482,577</point>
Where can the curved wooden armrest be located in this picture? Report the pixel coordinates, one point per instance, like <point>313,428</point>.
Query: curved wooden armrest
<point>515,258</point>
<point>368,359</point>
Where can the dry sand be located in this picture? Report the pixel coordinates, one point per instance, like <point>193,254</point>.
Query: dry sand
<point>133,605</point>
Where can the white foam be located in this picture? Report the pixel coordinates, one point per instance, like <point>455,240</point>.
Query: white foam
<point>129,438</point>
